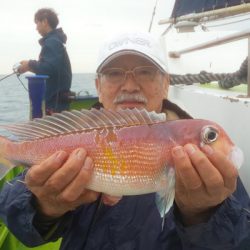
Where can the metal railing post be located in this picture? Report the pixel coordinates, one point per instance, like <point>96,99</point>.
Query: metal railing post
<point>248,69</point>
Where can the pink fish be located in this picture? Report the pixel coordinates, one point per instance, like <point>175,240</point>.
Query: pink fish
<point>131,149</point>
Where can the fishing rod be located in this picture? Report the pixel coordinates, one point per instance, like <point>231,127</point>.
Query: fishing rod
<point>16,72</point>
<point>7,76</point>
<point>152,18</point>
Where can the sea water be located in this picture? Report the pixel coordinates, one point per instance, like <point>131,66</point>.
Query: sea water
<point>14,98</point>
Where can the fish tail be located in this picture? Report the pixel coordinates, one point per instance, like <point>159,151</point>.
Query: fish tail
<point>5,164</point>
<point>165,197</point>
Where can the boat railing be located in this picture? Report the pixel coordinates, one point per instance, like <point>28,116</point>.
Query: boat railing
<point>215,42</point>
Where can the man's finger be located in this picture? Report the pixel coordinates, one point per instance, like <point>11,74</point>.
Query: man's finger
<point>209,175</point>
<point>185,170</point>
<point>66,174</point>
<point>38,174</point>
<point>111,200</point>
<point>76,188</point>
<point>223,165</point>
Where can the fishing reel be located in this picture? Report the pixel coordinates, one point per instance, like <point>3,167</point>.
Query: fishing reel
<point>16,67</point>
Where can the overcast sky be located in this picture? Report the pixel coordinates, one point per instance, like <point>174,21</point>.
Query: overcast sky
<point>86,23</point>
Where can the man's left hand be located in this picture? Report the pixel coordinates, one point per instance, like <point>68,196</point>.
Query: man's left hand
<point>24,67</point>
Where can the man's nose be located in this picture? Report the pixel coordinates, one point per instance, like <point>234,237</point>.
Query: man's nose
<point>130,83</point>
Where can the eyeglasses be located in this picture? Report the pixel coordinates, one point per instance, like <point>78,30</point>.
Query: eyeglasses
<point>142,74</point>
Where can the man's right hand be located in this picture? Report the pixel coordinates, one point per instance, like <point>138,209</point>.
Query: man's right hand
<point>59,182</point>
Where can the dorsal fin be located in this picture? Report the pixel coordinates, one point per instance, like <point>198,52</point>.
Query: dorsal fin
<point>79,121</point>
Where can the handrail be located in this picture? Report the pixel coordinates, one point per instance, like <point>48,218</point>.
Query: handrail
<point>215,42</point>
<point>226,39</point>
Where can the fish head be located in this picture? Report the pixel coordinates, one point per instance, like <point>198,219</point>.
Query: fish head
<point>216,137</point>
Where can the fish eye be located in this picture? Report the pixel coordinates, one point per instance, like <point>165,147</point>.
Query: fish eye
<point>209,135</point>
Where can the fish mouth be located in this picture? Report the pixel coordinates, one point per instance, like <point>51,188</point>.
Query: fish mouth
<point>237,157</point>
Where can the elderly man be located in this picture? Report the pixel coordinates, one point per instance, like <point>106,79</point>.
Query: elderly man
<point>210,209</point>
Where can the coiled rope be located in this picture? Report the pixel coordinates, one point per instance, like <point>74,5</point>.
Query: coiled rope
<point>225,80</point>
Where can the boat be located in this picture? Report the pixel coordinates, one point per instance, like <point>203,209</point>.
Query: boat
<point>208,89</point>
<point>229,107</point>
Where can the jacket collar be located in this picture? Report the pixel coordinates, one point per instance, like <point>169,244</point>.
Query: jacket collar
<point>172,110</point>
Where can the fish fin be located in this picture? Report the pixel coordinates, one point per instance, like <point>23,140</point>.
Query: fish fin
<point>79,121</point>
<point>237,157</point>
<point>165,197</point>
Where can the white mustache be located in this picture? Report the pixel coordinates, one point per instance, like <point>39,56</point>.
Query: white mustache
<point>130,98</point>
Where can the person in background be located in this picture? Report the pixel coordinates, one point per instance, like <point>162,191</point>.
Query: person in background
<point>211,208</point>
<point>53,61</point>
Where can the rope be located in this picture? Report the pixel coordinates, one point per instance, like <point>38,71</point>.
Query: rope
<point>22,83</point>
<point>225,80</point>
<point>202,77</point>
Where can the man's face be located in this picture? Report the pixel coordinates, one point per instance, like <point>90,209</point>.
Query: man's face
<point>130,93</point>
<point>42,27</point>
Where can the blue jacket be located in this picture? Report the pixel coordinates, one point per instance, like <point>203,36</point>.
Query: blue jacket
<point>54,62</point>
<point>133,224</point>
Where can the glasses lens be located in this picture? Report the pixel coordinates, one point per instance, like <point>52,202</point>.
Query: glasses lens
<point>114,75</point>
<point>145,73</point>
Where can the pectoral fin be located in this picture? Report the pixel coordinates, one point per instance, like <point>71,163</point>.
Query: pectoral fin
<point>165,198</point>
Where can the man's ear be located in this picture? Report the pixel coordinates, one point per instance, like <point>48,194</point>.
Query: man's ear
<point>98,88</point>
<point>46,24</point>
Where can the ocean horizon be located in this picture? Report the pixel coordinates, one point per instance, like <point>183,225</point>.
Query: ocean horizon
<point>14,101</point>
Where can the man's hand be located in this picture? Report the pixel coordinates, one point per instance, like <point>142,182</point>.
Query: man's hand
<point>204,179</point>
<point>59,183</point>
<point>24,67</point>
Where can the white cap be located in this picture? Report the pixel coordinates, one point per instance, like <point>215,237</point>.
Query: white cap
<point>142,44</point>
